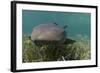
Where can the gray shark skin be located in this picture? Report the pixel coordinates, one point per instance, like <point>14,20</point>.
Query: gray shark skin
<point>49,32</point>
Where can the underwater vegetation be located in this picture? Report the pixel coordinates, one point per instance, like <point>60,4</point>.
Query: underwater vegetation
<point>78,49</point>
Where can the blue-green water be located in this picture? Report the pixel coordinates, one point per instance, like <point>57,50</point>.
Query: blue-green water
<point>78,23</point>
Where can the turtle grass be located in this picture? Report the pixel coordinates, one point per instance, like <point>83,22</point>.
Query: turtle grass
<point>70,50</point>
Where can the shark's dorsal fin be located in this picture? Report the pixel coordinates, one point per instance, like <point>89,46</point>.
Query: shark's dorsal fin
<point>65,26</point>
<point>55,23</point>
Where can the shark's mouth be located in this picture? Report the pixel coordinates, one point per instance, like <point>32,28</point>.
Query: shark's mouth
<point>45,42</point>
<point>53,42</point>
